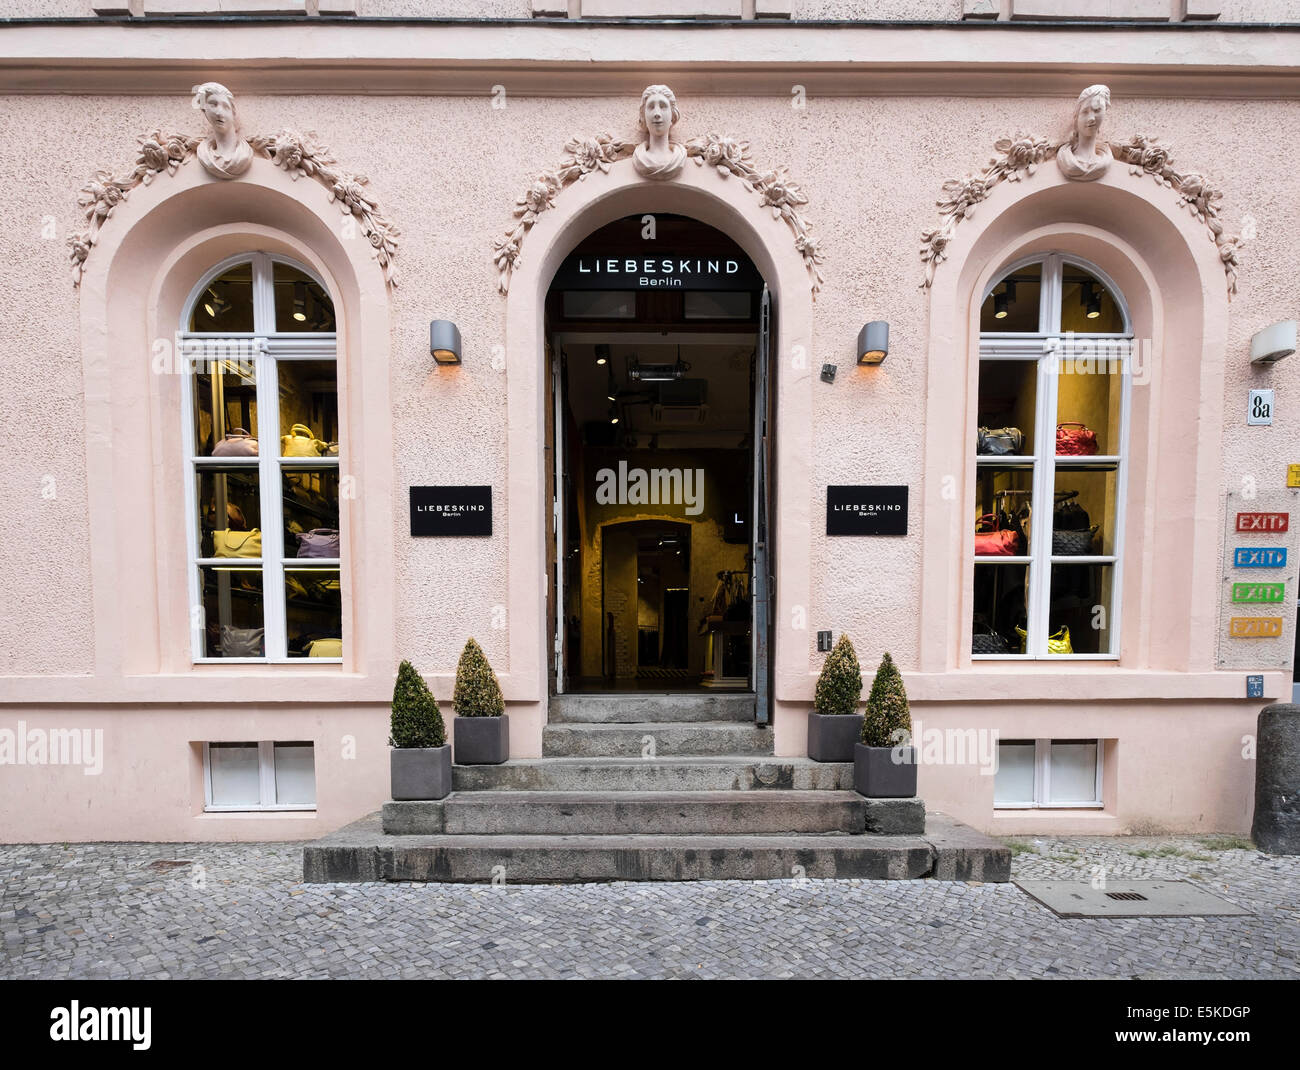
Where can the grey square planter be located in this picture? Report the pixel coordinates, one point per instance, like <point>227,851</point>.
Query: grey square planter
<point>832,736</point>
<point>420,772</point>
<point>876,776</point>
<point>481,740</point>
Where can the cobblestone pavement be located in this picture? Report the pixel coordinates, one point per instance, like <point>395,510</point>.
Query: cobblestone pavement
<point>239,910</point>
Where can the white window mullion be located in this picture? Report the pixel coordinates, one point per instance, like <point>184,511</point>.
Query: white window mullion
<point>273,609</point>
<point>1121,508</point>
<point>266,772</point>
<point>1042,771</point>
<point>197,614</point>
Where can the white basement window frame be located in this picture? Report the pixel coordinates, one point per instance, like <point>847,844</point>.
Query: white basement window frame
<point>1051,348</point>
<point>266,349</point>
<point>268,786</point>
<point>1042,793</point>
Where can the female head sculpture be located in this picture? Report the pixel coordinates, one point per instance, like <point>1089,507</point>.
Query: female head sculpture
<point>658,156</point>
<point>1085,156</point>
<point>225,154</point>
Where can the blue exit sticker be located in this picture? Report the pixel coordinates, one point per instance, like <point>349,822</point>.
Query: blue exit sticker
<point>1254,687</point>
<point>1259,557</point>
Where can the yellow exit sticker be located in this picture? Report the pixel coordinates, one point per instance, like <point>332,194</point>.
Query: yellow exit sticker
<point>1255,627</point>
<point>1293,475</point>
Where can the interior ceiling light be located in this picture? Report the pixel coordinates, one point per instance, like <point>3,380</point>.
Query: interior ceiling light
<point>300,301</point>
<point>602,354</point>
<point>215,304</point>
<point>1093,301</point>
<point>1001,301</point>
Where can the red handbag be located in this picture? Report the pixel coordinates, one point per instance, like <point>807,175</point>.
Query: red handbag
<point>995,541</point>
<point>1075,440</point>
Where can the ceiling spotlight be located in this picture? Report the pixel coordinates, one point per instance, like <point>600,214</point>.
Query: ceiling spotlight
<point>1003,300</point>
<point>602,354</point>
<point>215,304</point>
<point>1091,297</point>
<point>300,301</point>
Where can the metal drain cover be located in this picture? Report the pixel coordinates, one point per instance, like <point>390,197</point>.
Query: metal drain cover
<point>1128,899</point>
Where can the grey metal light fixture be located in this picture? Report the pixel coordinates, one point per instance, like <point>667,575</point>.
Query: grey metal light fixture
<point>444,341</point>
<point>1273,343</point>
<point>873,342</point>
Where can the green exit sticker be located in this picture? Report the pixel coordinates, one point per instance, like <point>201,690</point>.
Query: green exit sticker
<point>1259,592</point>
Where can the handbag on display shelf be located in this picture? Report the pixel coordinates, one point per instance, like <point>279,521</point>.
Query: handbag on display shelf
<point>1058,643</point>
<point>241,642</point>
<point>992,539</point>
<point>325,648</point>
<point>999,441</point>
<point>302,442</point>
<point>1071,532</point>
<point>237,443</point>
<point>985,640</point>
<point>1075,440</point>
<point>319,542</point>
<point>227,543</point>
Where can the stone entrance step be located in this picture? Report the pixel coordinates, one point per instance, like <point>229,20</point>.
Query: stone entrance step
<point>363,852</point>
<point>723,813</point>
<point>637,706</point>
<point>654,739</point>
<point>717,773</point>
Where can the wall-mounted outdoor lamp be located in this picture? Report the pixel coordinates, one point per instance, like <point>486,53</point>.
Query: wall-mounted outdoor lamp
<point>873,342</point>
<point>1273,343</point>
<point>444,341</point>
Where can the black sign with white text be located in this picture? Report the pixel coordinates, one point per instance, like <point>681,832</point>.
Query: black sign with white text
<point>451,510</point>
<point>866,510</point>
<point>641,270</point>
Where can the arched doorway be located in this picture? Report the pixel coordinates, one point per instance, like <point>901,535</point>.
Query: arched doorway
<point>659,444</point>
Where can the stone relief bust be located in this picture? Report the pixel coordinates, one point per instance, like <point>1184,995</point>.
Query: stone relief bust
<point>657,156</point>
<point>1086,156</point>
<point>225,154</point>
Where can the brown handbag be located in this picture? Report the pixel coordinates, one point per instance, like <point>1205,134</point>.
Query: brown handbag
<point>1075,440</point>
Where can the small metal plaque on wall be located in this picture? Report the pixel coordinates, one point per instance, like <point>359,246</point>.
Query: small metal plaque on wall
<point>451,510</point>
<point>866,510</point>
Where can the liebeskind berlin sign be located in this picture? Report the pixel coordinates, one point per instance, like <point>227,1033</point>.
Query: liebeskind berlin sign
<point>657,271</point>
<point>451,510</point>
<point>866,510</point>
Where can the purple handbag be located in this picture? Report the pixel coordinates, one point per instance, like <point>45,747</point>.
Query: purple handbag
<point>319,542</point>
<point>237,443</point>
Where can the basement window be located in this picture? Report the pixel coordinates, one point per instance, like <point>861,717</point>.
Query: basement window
<point>1048,774</point>
<point>259,776</point>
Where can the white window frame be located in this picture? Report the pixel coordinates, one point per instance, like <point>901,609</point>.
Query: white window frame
<point>1043,780</point>
<point>266,779</point>
<point>1044,346</point>
<point>269,348</point>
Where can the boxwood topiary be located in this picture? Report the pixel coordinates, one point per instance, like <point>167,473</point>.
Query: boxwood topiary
<point>840,685</point>
<point>416,719</point>
<point>478,694</point>
<point>888,715</point>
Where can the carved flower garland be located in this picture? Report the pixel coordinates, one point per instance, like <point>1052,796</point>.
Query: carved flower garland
<point>729,155</point>
<point>300,155</point>
<point>1018,157</point>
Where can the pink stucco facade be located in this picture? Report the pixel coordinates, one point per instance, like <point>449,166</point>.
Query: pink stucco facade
<point>93,619</point>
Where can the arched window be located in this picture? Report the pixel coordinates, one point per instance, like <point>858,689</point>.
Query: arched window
<point>1050,466</point>
<point>262,438</point>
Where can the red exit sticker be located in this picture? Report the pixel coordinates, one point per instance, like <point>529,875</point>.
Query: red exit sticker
<point>1263,521</point>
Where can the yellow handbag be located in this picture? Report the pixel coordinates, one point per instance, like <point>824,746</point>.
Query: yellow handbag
<point>1056,644</point>
<point>227,543</point>
<point>301,442</point>
<point>325,648</point>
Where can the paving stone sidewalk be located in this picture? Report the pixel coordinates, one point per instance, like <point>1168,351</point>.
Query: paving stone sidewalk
<point>240,910</point>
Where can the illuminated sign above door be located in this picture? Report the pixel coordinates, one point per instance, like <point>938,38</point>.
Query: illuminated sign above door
<point>645,269</point>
